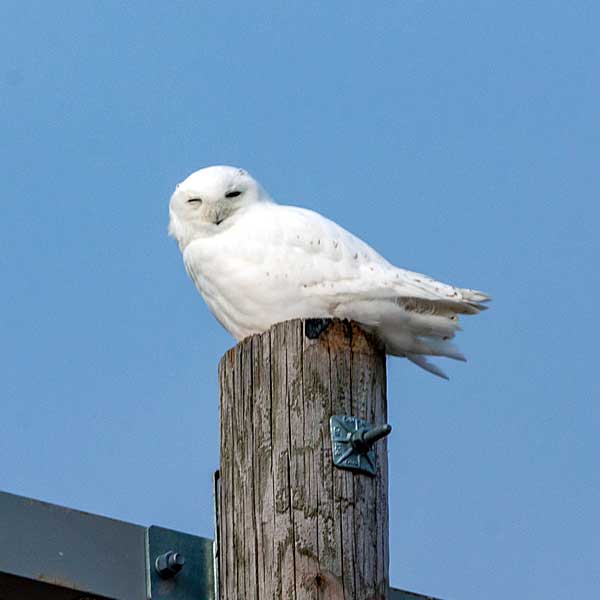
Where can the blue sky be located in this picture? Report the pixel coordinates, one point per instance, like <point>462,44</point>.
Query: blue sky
<point>460,139</point>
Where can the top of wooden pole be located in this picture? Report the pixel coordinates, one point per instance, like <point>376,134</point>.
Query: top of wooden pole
<point>336,333</point>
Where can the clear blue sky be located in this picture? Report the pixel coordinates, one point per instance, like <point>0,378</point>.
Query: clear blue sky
<point>460,139</point>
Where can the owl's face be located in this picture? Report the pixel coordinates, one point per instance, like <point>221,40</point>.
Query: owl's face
<point>209,197</point>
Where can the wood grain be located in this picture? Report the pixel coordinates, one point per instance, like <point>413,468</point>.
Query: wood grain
<point>291,524</point>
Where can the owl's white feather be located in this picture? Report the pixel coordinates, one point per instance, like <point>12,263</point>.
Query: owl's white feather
<point>257,263</point>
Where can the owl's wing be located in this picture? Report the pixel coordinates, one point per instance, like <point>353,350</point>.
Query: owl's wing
<point>329,260</point>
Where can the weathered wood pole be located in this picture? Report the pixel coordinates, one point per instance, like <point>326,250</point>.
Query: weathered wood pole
<point>291,524</point>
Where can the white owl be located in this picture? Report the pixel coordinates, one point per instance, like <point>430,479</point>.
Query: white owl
<point>257,263</point>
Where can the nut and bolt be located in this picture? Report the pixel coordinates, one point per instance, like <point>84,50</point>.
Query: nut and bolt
<point>167,565</point>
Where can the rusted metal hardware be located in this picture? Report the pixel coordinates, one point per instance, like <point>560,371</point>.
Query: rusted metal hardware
<point>352,442</point>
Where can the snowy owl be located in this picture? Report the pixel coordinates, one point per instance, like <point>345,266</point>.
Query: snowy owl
<point>257,263</point>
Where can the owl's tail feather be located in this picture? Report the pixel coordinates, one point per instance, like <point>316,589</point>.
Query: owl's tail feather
<point>475,299</point>
<point>421,361</point>
<point>474,295</point>
<point>437,347</point>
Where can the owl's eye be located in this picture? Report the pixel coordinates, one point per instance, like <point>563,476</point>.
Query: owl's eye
<point>233,194</point>
<point>198,200</point>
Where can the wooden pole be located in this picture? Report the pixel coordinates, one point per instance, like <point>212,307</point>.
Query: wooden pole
<point>291,524</point>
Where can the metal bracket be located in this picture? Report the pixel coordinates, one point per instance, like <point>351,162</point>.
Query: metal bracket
<point>168,552</point>
<point>217,521</point>
<point>352,442</point>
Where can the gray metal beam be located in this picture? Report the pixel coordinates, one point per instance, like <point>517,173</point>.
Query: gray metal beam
<point>49,545</point>
<point>56,553</point>
<point>404,595</point>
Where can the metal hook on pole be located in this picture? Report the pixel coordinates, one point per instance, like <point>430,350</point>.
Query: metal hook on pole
<point>352,441</point>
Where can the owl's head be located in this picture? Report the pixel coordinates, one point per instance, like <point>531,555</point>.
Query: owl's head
<point>209,198</point>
